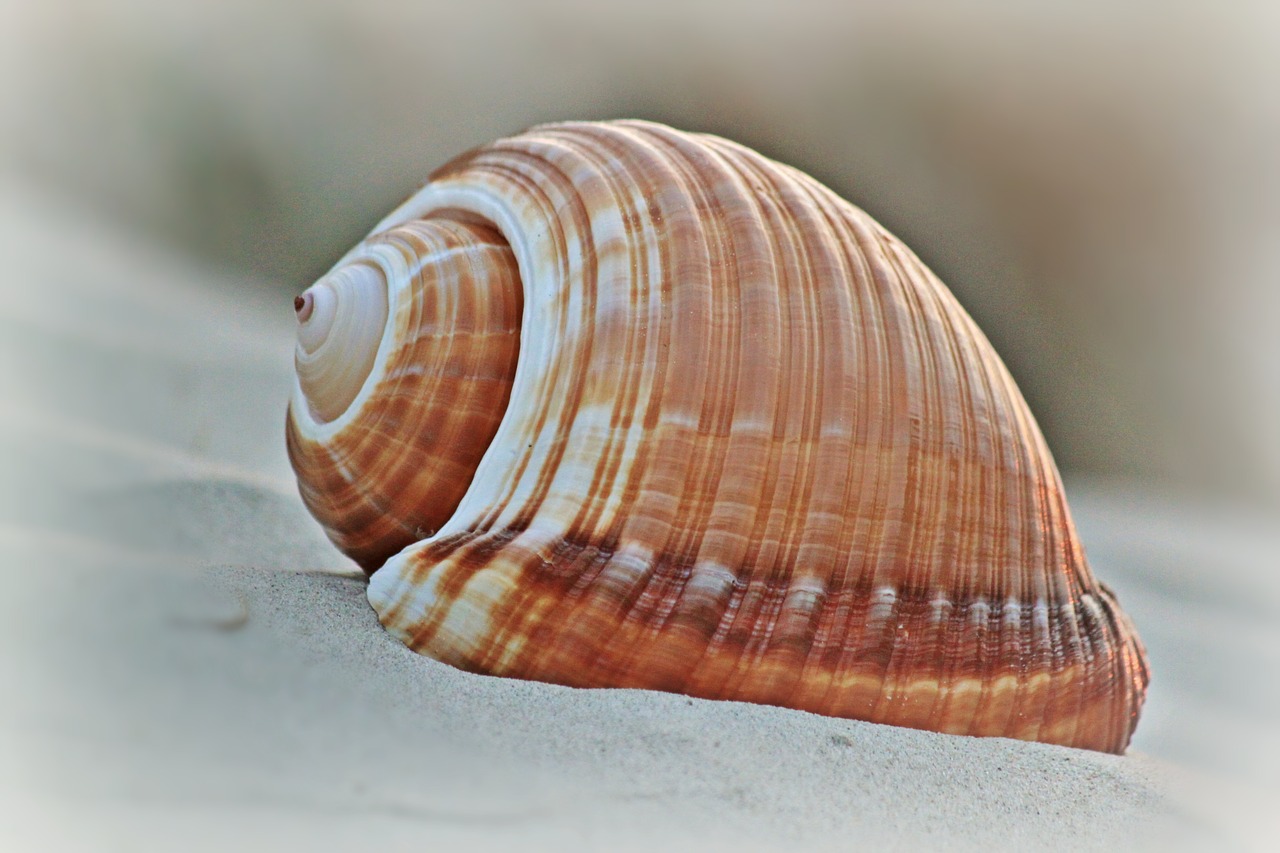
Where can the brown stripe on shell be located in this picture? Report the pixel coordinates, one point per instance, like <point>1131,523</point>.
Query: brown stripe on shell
<point>754,450</point>
<point>396,473</point>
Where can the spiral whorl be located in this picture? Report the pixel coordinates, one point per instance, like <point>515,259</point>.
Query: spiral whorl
<point>431,311</point>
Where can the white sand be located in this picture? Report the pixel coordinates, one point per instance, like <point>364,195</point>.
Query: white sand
<point>190,663</point>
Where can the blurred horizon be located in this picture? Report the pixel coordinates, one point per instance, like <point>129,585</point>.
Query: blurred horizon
<point>1096,185</point>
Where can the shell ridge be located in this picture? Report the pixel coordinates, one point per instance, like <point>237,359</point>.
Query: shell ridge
<point>760,348</point>
<point>529,188</point>
<point>563,616</point>
<point>883,469</point>
<point>760,559</point>
<point>835,608</point>
<point>1059,589</point>
<point>701,469</point>
<point>861,489</point>
<point>1016,586</point>
<point>1019,538</point>
<point>807,540</point>
<point>863,436</point>
<point>565,369</point>
<point>704,464</point>
<point>798,611</point>
<point>1095,663</point>
<point>638,599</point>
<point>491,204</point>
<point>945,357</point>
<point>630,637</point>
<point>633,379</point>
<point>699,539</point>
<point>919,501</point>
<point>542,366</point>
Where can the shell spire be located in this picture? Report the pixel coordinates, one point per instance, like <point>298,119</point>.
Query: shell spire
<point>750,448</point>
<point>424,313</point>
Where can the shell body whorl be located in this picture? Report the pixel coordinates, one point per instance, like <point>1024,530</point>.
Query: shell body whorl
<point>751,448</point>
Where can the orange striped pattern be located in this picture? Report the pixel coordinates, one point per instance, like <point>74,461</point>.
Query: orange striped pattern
<point>393,469</point>
<point>753,450</point>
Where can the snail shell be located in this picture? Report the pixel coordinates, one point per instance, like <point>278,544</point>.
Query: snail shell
<point>614,405</point>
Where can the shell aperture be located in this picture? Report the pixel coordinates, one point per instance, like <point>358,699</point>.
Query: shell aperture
<point>650,410</point>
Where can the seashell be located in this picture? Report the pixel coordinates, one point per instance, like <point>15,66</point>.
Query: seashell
<point>614,405</point>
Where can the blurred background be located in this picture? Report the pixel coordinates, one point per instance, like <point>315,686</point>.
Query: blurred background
<point>1099,184</point>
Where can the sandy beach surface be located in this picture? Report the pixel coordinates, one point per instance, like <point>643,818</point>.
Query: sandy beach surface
<point>189,663</point>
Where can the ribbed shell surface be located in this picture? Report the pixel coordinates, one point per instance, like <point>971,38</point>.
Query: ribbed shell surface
<point>754,450</point>
<point>391,469</point>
